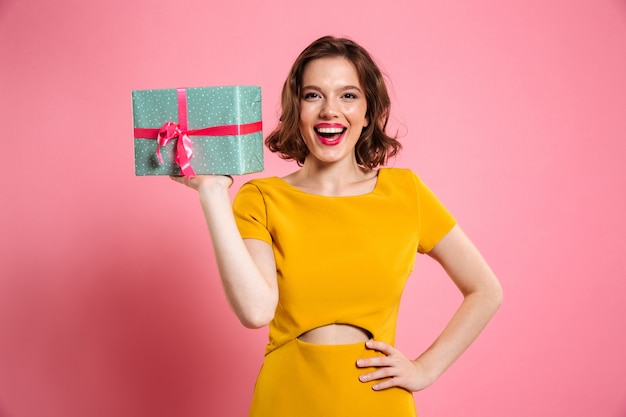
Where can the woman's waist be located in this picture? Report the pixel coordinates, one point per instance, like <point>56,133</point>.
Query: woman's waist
<point>330,332</point>
<point>336,334</point>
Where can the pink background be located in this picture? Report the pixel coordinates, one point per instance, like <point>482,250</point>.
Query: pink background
<point>513,112</point>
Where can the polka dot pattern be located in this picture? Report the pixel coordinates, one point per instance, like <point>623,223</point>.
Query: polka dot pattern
<point>206,107</point>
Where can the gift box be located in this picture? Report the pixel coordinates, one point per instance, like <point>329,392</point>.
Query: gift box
<point>193,131</point>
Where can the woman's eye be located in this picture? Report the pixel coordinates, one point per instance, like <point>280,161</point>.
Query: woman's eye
<point>350,96</point>
<point>309,96</point>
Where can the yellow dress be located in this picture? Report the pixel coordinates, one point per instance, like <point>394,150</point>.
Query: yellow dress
<point>339,260</point>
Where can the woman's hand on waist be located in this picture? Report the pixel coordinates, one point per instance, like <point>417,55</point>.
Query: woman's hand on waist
<point>394,369</point>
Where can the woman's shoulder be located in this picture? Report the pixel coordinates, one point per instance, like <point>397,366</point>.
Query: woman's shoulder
<point>401,180</point>
<point>395,174</point>
<point>263,184</point>
<point>261,181</point>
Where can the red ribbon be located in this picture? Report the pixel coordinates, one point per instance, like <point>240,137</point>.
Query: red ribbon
<point>184,151</point>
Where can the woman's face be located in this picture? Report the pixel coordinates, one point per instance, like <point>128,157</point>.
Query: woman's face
<point>332,109</point>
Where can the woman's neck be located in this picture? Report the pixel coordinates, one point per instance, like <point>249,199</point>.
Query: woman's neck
<point>333,180</point>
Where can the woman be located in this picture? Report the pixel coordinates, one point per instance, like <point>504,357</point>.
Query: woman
<point>322,255</point>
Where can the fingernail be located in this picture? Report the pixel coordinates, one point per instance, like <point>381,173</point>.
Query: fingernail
<point>359,362</point>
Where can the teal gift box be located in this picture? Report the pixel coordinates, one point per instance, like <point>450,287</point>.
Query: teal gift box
<point>194,131</point>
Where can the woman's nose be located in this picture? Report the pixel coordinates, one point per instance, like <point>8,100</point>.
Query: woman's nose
<point>328,110</point>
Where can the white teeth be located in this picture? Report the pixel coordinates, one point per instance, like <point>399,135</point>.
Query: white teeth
<point>329,130</point>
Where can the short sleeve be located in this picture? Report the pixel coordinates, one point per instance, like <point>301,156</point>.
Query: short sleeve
<point>251,214</point>
<point>435,220</point>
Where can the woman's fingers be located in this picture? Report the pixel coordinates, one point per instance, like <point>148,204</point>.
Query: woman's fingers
<point>200,181</point>
<point>392,369</point>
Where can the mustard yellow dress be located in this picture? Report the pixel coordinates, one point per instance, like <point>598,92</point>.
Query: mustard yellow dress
<point>339,260</point>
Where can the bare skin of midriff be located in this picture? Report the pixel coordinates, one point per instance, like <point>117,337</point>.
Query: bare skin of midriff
<point>335,334</point>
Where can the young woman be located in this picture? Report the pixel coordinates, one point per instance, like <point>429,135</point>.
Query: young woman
<point>322,255</point>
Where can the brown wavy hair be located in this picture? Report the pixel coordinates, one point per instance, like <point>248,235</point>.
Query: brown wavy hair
<point>374,147</point>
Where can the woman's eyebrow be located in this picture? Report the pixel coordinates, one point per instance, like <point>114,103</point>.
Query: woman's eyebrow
<point>347,87</point>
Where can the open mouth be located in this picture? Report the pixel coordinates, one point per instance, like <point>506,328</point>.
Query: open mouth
<point>330,134</point>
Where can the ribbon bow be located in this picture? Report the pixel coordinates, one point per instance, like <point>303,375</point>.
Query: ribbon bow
<point>184,151</point>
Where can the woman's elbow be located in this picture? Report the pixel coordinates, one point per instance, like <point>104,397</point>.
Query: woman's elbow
<point>256,320</point>
<point>496,294</point>
<point>489,292</point>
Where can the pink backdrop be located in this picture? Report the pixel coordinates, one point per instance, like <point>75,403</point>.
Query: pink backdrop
<point>513,112</point>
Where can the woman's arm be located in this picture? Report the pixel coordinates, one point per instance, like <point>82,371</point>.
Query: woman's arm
<point>482,295</point>
<point>246,267</point>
